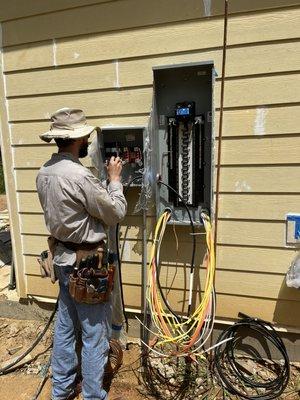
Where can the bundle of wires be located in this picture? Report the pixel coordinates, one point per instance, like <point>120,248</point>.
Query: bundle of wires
<point>235,378</point>
<point>189,335</point>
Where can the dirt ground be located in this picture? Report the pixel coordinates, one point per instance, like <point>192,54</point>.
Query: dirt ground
<point>3,203</point>
<point>21,384</point>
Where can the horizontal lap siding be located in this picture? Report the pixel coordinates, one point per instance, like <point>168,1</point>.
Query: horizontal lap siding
<point>21,9</point>
<point>236,123</point>
<point>184,37</point>
<point>234,206</point>
<point>35,157</point>
<point>266,58</point>
<point>263,179</point>
<point>236,179</point>
<point>257,91</point>
<point>230,231</point>
<point>28,132</point>
<point>109,74</point>
<point>227,282</point>
<point>103,103</point>
<point>126,14</point>
<point>247,151</point>
<point>228,305</point>
<point>230,257</point>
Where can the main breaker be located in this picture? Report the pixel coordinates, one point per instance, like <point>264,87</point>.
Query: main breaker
<point>183,139</point>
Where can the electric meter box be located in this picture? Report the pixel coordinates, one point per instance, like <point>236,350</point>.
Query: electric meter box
<point>183,139</point>
<point>127,143</point>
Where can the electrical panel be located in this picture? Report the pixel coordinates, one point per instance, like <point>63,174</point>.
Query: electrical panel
<point>126,143</point>
<point>183,139</point>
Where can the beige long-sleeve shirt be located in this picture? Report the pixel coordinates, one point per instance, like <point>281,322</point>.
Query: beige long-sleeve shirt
<point>77,207</point>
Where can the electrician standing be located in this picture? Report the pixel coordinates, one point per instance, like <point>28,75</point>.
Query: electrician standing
<point>77,209</point>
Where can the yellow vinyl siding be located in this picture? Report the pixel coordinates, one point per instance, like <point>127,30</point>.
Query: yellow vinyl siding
<point>227,282</point>
<point>186,37</point>
<point>236,179</point>
<point>32,55</point>
<point>108,72</point>
<point>62,80</point>
<point>254,91</point>
<point>235,206</point>
<point>103,103</point>
<point>254,259</point>
<point>236,123</point>
<point>28,132</point>
<point>270,58</point>
<point>20,9</point>
<point>235,151</point>
<point>278,310</point>
<point>126,14</point>
<point>229,232</point>
<point>189,36</point>
<point>264,179</point>
<point>251,259</point>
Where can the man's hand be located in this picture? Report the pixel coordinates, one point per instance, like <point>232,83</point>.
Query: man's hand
<point>114,169</point>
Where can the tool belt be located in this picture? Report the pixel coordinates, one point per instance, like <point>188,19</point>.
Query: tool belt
<point>92,279</point>
<point>45,260</point>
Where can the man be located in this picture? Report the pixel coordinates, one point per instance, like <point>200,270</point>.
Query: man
<point>77,209</point>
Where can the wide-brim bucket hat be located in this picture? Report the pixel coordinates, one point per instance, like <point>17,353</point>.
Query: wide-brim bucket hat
<point>68,123</point>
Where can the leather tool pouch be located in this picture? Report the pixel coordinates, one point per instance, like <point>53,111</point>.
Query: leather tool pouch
<point>46,260</point>
<point>91,284</point>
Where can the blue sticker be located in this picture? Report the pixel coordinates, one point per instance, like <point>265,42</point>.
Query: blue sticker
<point>296,219</point>
<point>297,230</point>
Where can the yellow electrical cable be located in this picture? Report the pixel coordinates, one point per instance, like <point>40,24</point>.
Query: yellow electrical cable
<point>168,327</point>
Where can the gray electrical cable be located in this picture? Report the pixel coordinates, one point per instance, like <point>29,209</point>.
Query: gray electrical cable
<point>43,380</point>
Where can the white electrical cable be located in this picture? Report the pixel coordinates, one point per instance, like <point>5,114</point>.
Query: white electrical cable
<point>192,335</point>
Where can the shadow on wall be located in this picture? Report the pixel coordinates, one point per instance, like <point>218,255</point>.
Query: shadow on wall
<point>287,306</point>
<point>175,256</point>
<point>98,18</point>
<point>108,15</point>
<point>2,185</point>
<point>287,314</point>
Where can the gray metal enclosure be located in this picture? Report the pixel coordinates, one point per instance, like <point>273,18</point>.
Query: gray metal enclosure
<point>175,84</point>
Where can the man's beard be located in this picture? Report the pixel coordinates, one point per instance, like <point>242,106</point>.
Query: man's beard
<point>83,151</point>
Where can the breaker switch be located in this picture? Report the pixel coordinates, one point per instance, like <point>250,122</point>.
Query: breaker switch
<point>126,155</point>
<point>138,156</point>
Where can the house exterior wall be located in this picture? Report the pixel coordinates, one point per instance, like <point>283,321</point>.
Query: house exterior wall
<point>99,57</point>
